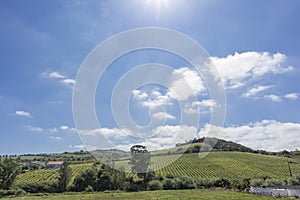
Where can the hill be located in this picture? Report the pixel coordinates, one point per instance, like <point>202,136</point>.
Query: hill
<point>229,165</point>
<point>228,160</point>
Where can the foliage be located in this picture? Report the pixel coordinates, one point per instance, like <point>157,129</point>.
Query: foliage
<point>85,179</point>
<point>14,192</point>
<point>89,189</point>
<point>140,160</point>
<point>155,185</point>
<point>65,176</point>
<point>9,170</point>
<point>268,182</point>
<point>40,187</point>
<point>294,180</point>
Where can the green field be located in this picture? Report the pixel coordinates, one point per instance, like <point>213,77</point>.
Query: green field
<point>218,194</point>
<point>48,176</point>
<point>230,165</point>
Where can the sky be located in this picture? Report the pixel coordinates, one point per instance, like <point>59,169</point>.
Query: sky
<point>254,45</point>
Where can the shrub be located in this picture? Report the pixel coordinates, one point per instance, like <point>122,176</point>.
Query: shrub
<point>40,187</point>
<point>2,193</point>
<point>155,185</point>
<point>272,182</point>
<point>185,183</point>
<point>89,189</point>
<point>135,186</point>
<point>293,181</point>
<point>241,184</point>
<point>257,182</point>
<point>205,183</point>
<point>223,183</point>
<point>169,184</point>
<point>12,192</point>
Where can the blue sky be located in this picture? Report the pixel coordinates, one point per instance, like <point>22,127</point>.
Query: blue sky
<point>253,44</point>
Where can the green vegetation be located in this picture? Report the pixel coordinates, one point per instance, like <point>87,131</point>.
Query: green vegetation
<point>9,170</point>
<point>235,168</point>
<point>230,165</point>
<point>218,194</point>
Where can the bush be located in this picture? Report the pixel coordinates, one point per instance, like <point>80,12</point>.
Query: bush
<point>241,184</point>
<point>41,187</point>
<point>293,181</point>
<point>257,182</point>
<point>272,182</point>
<point>135,186</point>
<point>205,183</point>
<point>185,183</point>
<point>14,192</point>
<point>223,183</point>
<point>155,185</point>
<point>2,193</point>
<point>19,192</point>
<point>89,189</point>
<point>169,184</point>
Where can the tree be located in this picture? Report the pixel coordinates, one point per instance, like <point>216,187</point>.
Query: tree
<point>9,169</point>
<point>140,160</point>
<point>85,179</point>
<point>65,175</point>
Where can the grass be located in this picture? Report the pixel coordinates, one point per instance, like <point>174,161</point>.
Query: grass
<point>218,194</point>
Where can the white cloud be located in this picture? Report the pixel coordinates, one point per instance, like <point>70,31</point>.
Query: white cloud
<point>238,69</point>
<point>68,81</point>
<point>257,89</point>
<point>111,133</point>
<point>163,116</point>
<point>153,99</point>
<point>268,135</point>
<point>79,146</point>
<point>56,75</point>
<point>203,106</point>
<point>23,113</point>
<point>64,127</point>
<point>292,96</point>
<point>273,97</point>
<point>137,94</point>
<point>35,129</point>
<point>55,138</point>
<point>186,83</point>
<point>63,79</point>
<point>53,130</point>
<point>161,137</point>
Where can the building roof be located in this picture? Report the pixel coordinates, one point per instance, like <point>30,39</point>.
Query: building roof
<point>55,163</point>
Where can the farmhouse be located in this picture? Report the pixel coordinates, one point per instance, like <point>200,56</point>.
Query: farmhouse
<point>280,191</point>
<point>34,163</point>
<point>54,164</point>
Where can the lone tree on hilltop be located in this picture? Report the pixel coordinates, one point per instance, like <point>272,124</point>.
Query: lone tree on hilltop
<point>140,160</point>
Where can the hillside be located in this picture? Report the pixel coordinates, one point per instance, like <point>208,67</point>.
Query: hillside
<point>230,165</point>
<point>227,160</point>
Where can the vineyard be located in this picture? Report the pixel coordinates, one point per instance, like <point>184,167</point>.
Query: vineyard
<point>230,165</point>
<point>49,176</point>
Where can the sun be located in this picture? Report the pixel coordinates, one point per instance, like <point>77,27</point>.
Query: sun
<point>157,5</point>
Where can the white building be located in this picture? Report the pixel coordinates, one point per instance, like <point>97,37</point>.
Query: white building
<point>280,191</point>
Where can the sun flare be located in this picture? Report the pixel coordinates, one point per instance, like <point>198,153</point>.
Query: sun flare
<point>157,3</point>
<point>158,6</point>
